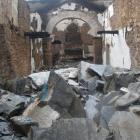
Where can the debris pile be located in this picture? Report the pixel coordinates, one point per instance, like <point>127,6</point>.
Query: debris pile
<point>99,101</point>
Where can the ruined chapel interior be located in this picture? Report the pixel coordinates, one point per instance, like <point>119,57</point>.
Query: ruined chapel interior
<point>74,62</point>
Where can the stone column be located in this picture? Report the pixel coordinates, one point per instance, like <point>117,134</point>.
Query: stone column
<point>97,44</point>
<point>62,52</point>
<point>47,51</point>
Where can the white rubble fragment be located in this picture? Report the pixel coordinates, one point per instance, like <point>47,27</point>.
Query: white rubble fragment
<point>124,90</point>
<point>72,83</point>
<point>73,74</point>
<point>41,78</point>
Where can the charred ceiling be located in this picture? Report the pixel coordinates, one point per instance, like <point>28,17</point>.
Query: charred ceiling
<point>48,5</point>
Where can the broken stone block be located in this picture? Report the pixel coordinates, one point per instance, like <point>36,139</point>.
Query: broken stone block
<point>96,70</point>
<point>72,83</point>
<point>38,80</point>
<point>16,86</point>
<point>5,128</point>
<point>125,126</point>
<point>91,111</point>
<point>83,75</point>
<point>58,91</point>
<point>124,90</point>
<point>92,85</point>
<point>106,114</point>
<point>12,104</point>
<point>79,91</point>
<point>110,70</point>
<point>134,87</point>
<point>10,138</point>
<point>65,115</point>
<point>41,113</point>
<point>128,99</point>
<point>100,85</point>
<point>22,124</point>
<point>117,80</point>
<point>76,110</point>
<point>135,109</point>
<point>70,129</point>
<point>55,98</point>
<point>109,100</point>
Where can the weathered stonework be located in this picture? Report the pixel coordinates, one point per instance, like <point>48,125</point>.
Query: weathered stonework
<point>15,48</point>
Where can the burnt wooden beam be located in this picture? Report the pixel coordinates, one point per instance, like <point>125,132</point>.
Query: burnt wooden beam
<point>108,32</point>
<point>34,35</point>
<point>56,42</point>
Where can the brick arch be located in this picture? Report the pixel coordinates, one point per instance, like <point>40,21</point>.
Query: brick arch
<point>90,18</point>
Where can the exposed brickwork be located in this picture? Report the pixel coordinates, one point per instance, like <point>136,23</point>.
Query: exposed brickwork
<point>74,37</point>
<point>14,47</point>
<point>127,13</point>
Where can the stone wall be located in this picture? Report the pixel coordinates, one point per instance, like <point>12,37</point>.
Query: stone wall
<point>124,48</point>
<point>14,47</point>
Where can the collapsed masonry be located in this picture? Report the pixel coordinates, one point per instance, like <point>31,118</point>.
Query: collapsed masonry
<point>66,98</point>
<point>85,103</point>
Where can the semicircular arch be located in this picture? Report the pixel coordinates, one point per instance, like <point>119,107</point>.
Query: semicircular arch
<point>91,19</point>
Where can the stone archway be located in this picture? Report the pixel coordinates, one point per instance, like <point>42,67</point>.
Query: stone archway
<point>90,18</point>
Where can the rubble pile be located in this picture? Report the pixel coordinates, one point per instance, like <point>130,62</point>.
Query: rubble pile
<point>88,102</point>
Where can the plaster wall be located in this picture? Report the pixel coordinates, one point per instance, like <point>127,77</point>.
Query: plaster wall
<point>36,44</point>
<point>119,51</point>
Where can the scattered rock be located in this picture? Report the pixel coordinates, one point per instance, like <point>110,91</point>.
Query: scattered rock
<point>134,87</point>
<point>41,113</point>
<point>72,83</point>
<point>70,129</point>
<point>109,100</point>
<point>125,126</point>
<point>100,85</point>
<point>12,104</point>
<point>16,86</point>
<point>96,70</point>
<point>91,111</point>
<point>83,75</point>
<point>128,99</point>
<point>22,124</point>
<point>135,109</point>
<point>118,80</point>
<point>92,85</point>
